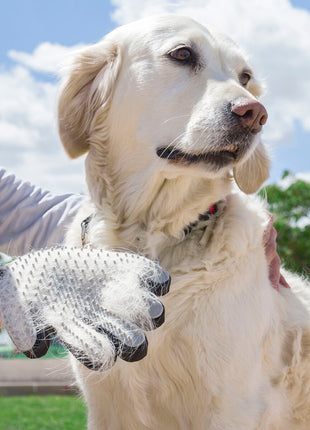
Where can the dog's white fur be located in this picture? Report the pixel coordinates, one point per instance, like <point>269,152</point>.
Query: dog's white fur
<point>233,352</point>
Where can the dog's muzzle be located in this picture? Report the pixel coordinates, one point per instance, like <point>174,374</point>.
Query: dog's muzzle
<point>239,122</point>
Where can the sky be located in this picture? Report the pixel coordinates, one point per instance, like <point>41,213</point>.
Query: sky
<point>36,36</point>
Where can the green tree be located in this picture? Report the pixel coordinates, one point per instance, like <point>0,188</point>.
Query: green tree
<point>291,210</point>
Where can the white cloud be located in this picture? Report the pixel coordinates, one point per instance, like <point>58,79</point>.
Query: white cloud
<point>290,179</point>
<point>304,176</point>
<point>27,100</point>
<point>274,34</point>
<point>47,57</point>
<point>287,181</point>
<point>29,143</point>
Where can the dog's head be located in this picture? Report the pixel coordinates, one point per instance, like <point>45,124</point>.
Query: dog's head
<point>165,94</point>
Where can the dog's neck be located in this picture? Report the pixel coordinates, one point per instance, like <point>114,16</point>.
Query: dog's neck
<point>147,218</point>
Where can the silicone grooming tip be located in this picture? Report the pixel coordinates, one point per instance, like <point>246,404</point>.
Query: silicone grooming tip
<point>157,312</point>
<point>129,340</point>
<point>42,343</point>
<point>158,282</point>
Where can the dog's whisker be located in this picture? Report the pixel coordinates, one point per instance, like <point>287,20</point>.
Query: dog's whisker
<point>175,143</point>
<point>175,117</point>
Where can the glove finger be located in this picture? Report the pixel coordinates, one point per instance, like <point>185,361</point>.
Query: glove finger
<point>131,345</point>
<point>83,358</point>
<point>157,313</point>
<point>82,339</point>
<point>157,280</point>
<point>129,340</point>
<point>42,343</point>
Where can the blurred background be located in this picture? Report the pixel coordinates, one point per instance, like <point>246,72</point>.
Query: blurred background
<point>36,38</point>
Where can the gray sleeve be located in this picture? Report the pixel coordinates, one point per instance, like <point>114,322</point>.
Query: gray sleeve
<point>31,218</point>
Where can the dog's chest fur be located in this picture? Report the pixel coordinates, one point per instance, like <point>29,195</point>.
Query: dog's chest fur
<point>202,364</point>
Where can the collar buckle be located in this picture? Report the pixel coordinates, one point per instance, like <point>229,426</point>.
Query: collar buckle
<point>84,228</point>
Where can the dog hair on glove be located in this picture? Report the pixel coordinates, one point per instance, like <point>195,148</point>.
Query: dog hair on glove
<point>97,302</point>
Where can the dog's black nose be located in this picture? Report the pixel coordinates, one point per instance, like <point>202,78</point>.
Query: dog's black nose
<point>252,114</point>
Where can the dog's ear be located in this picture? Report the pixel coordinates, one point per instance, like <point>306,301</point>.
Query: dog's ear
<point>86,90</point>
<point>251,174</point>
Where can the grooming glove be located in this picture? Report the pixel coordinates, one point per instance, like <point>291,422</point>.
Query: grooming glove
<point>97,303</point>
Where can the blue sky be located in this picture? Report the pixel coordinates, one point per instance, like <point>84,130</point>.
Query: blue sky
<point>25,24</point>
<point>28,135</point>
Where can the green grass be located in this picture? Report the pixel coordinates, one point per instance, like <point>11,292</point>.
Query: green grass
<point>55,351</point>
<point>42,413</point>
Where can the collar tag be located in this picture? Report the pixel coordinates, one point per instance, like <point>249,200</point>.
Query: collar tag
<point>202,221</point>
<point>212,209</point>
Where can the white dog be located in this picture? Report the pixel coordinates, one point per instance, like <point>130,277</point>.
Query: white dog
<point>169,115</point>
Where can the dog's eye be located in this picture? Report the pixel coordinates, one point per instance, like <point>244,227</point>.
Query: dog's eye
<point>244,78</point>
<point>182,54</point>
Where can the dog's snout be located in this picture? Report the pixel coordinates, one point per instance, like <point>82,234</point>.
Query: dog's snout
<point>252,114</point>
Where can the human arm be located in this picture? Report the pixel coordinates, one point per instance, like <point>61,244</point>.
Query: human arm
<point>32,218</point>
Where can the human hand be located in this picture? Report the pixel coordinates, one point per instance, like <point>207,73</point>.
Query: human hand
<point>273,259</point>
<point>97,303</point>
